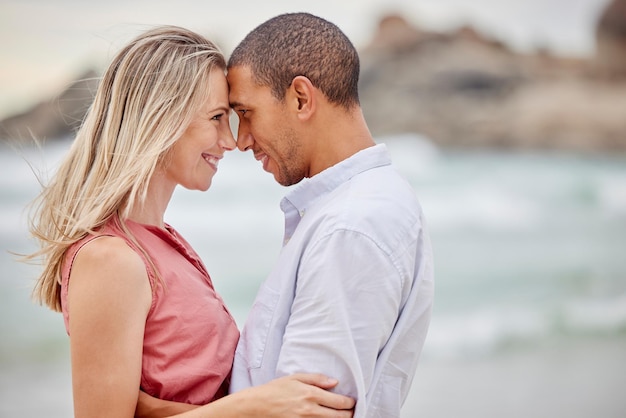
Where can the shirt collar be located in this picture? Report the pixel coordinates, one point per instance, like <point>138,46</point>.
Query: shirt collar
<point>310,190</point>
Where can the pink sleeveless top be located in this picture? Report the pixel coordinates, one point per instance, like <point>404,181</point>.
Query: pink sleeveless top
<point>190,337</point>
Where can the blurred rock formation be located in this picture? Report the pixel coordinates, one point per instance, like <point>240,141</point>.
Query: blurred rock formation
<point>611,40</point>
<point>460,89</point>
<point>55,118</point>
<point>463,89</point>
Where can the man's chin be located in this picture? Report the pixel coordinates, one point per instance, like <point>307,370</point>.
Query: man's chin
<point>280,180</point>
<point>287,181</point>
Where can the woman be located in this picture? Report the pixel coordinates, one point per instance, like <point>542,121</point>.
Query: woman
<point>138,303</point>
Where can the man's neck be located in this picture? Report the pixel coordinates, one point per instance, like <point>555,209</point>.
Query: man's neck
<point>340,140</point>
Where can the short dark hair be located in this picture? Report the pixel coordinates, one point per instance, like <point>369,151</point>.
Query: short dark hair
<point>296,44</point>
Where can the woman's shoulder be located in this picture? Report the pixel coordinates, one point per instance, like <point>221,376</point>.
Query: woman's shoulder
<point>109,252</point>
<point>109,262</point>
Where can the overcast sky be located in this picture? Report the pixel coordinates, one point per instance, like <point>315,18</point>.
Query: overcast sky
<point>47,42</point>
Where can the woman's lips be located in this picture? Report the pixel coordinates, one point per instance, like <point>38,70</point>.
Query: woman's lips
<point>212,160</point>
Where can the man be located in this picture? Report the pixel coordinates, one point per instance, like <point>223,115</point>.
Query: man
<point>351,293</point>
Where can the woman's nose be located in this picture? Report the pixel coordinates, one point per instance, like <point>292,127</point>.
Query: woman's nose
<point>228,142</point>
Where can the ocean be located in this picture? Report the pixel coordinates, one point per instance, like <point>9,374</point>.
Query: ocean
<point>530,305</point>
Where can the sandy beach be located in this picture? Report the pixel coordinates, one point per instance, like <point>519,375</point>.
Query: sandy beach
<point>564,378</point>
<point>561,378</point>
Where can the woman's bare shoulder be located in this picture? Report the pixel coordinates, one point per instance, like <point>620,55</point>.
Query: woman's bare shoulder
<point>110,258</point>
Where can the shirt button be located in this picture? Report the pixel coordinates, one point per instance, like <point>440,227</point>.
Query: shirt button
<point>302,213</point>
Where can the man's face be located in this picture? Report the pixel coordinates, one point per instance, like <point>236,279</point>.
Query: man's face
<point>264,127</point>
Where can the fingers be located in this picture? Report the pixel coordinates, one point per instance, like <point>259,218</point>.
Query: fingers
<point>341,414</point>
<point>335,401</point>
<point>315,379</point>
<point>324,397</point>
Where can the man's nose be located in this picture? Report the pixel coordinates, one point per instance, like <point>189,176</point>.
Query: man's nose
<point>244,139</point>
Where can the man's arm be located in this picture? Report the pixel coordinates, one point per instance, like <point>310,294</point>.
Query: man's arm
<point>348,296</point>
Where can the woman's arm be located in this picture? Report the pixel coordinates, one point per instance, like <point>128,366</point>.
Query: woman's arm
<point>109,299</point>
<point>299,395</point>
<point>151,407</point>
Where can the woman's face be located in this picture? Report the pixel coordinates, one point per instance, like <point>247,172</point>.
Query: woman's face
<point>194,158</point>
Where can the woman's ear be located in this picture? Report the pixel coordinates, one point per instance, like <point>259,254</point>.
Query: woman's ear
<point>303,96</point>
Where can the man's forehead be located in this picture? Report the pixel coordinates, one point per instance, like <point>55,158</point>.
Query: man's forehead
<point>239,75</point>
<point>238,83</point>
<point>243,90</point>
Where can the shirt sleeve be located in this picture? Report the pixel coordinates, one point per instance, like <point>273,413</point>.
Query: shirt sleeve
<point>346,303</point>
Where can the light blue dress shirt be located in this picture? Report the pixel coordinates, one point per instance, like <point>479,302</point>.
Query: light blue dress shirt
<point>352,291</point>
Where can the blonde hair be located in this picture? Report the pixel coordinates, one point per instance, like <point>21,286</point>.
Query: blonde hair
<point>144,102</point>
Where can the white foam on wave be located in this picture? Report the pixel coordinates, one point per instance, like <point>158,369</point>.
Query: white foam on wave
<point>483,331</point>
<point>612,195</point>
<point>596,315</point>
<point>480,204</point>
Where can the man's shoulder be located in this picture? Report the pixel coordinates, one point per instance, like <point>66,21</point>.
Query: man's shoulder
<point>381,192</point>
<point>385,209</point>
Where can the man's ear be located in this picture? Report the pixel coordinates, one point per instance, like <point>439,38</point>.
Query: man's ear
<point>303,96</point>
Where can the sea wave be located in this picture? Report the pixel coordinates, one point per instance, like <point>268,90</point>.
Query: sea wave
<point>492,329</point>
<point>543,233</point>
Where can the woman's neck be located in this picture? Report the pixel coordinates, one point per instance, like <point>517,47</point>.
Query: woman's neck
<point>152,209</point>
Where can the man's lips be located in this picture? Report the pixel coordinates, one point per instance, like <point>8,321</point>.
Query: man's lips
<point>213,160</point>
<point>263,158</point>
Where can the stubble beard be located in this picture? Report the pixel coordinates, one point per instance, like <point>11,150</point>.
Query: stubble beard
<point>291,167</point>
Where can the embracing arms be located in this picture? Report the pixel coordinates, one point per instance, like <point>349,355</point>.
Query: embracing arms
<point>299,395</point>
<point>109,299</point>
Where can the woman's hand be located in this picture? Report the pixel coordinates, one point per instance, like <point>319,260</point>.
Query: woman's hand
<point>299,395</point>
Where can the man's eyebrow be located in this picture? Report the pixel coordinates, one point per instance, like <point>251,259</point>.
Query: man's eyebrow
<point>234,104</point>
